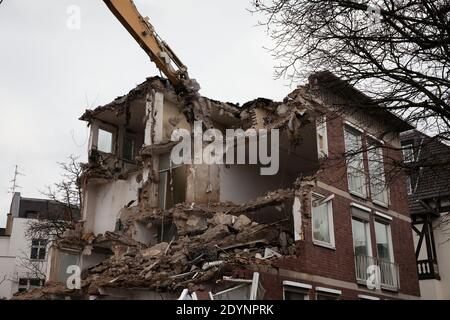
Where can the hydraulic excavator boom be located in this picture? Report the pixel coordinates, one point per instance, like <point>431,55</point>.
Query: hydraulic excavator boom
<point>160,53</point>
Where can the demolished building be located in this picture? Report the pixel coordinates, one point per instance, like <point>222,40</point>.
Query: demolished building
<point>155,230</point>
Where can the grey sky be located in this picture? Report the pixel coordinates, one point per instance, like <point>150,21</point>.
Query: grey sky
<point>50,74</point>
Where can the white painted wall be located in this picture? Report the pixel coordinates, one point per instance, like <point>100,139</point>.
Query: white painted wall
<point>104,202</point>
<point>6,272</point>
<point>12,249</point>
<point>6,268</point>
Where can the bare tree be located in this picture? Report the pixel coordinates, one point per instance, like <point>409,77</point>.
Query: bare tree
<point>33,267</point>
<point>66,196</point>
<point>397,51</point>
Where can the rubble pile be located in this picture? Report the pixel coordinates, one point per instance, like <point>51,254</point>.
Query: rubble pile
<point>228,243</point>
<point>213,240</point>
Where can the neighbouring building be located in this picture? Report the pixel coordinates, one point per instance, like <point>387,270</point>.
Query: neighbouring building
<point>333,212</point>
<point>428,185</point>
<point>23,261</point>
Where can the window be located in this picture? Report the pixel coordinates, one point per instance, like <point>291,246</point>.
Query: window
<point>355,163</point>
<point>296,291</point>
<point>361,231</point>
<point>388,269</point>
<point>322,139</point>
<point>27,284</point>
<point>408,153</point>
<point>105,141</point>
<point>172,183</point>
<point>327,294</point>
<point>361,237</point>
<point>384,241</point>
<point>322,221</point>
<point>38,248</point>
<point>32,214</point>
<point>362,244</point>
<point>378,189</point>
<point>128,148</point>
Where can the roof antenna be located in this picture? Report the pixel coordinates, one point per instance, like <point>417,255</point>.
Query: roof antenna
<point>14,181</point>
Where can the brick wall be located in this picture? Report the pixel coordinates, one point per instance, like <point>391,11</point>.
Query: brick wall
<point>339,264</point>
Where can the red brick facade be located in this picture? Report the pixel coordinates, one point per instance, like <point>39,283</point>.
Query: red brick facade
<point>339,263</point>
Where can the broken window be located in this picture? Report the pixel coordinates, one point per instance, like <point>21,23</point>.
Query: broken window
<point>105,141</point>
<point>322,139</point>
<point>128,148</point>
<point>322,221</point>
<point>172,183</point>
<point>378,188</point>
<point>355,162</point>
<point>38,249</point>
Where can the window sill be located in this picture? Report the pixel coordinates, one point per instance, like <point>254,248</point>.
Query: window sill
<point>324,245</point>
<point>356,194</point>
<point>381,204</point>
<point>390,289</point>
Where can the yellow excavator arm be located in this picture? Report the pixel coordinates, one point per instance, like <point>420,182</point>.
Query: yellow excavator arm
<point>160,53</point>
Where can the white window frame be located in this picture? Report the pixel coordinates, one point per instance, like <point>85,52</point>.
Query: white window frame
<point>408,147</point>
<point>387,223</point>
<point>322,200</point>
<point>368,236</point>
<point>377,176</point>
<point>41,245</point>
<point>366,297</point>
<point>321,132</point>
<point>348,128</point>
<point>384,216</point>
<point>360,206</point>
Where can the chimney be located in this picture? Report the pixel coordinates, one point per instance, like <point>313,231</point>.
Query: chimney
<point>9,223</point>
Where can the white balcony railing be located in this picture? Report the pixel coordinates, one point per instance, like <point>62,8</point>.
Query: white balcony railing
<point>388,276</point>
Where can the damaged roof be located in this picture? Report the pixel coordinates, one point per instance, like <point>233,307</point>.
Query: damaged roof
<point>356,98</point>
<point>119,105</point>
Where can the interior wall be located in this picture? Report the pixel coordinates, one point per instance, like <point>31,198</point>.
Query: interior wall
<point>242,183</point>
<point>106,200</point>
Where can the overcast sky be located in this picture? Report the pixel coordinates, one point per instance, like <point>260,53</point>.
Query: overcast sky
<point>49,74</point>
